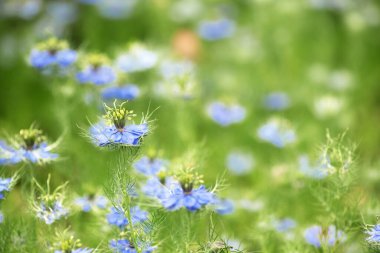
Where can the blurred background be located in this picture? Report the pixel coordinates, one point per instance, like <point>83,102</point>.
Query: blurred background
<point>312,65</point>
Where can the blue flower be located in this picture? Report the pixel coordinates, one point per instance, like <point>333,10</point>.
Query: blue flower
<point>318,236</point>
<point>226,115</point>
<point>150,166</point>
<point>117,217</point>
<point>80,250</point>
<point>5,184</point>
<point>374,234</point>
<point>216,29</point>
<point>318,171</point>
<point>156,187</point>
<point>223,206</point>
<point>107,135</point>
<point>277,132</point>
<point>97,75</point>
<point>137,59</point>
<point>277,101</point>
<point>240,163</point>
<point>87,203</point>
<point>126,92</point>
<point>51,212</point>
<point>172,69</point>
<point>126,246</point>
<point>30,145</point>
<point>42,59</point>
<point>192,199</point>
<point>116,9</point>
<point>284,225</point>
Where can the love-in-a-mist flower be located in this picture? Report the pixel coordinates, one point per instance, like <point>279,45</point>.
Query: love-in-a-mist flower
<point>138,58</point>
<point>278,132</point>
<point>187,192</point>
<point>127,246</point>
<point>96,71</point>
<point>226,114</point>
<point>216,29</point>
<point>124,92</point>
<point>30,145</point>
<point>52,52</point>
<point>150,165</point>
<point>277,101</point>
<point>117,128</point>
<point>5,186</point>
<point>284,225</point>
<point>320,236</point>
<point>91,202</point>
<point>118,216</point>
<point>49,206</point>
<point>70,245</point>
<point>317,171</point>
<point>223,206</point>
<point>157,186</point>
<point>373,234</point>
<point>240,163</point>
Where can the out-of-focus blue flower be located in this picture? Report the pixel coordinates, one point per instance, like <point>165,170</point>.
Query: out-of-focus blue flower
<point>5,184</point>
<point>223,206</point>
<point>138,58</point>
<point>126,246</point>
<point>277,132</point>
<point>51,212</point>
<point>216,29</point>
<point>318,236</point>
<point>150,166</point>
<point>97,75</point>
<point>192,199</point>
<point>115,9</point>
<point>88,203</point>
<point>171,69</point>
<point>1,217</point>
<point>52,52</point>
<point>117,217</point>
<point>226,115</point>
<point>318,171</point>
<point>62,12</point>
<point>156,187</point>
<point>125,92</point>
<point>284,225</point>
<point>30,146</point>
<point>277,101</point>
<point>21,8</point>
<point>80,250</point>
<point>240,163</point>
<point>374,234</point>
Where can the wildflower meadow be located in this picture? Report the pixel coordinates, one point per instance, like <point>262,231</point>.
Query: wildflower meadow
<point>189,126</point>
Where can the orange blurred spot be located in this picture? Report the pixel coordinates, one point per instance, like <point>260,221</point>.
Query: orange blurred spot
<point>186,44</point>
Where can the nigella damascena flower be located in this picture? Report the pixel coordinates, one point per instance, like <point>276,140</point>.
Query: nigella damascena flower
<point>318,171</point>
<point>114,130</point>
<point>318,236</point>
<point>70,245</point>
<point>223,206</point>
<point>277,101</point>
<point>51,211</point>
<point>184,193</point>
<point>125,92</point>
<point>5,186</point>
<point>118,216</point>
<point>226,114</point>
<point>374,234</point>
<point>277,132</point>
<point>127,246</point>
<point>216,29</point>
<point>138,58</point>
<point>240,163</point>
<point>30,145</point>
<point>52,52</point>
<point>96,71</point>
<point>90,202</point>
<point>157,186</point>
<point>284,225</point>
<point>150,165</point>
